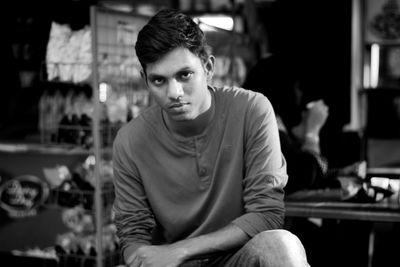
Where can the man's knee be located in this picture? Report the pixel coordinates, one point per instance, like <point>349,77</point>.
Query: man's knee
<point>276,237</point>
<point>279,248</point>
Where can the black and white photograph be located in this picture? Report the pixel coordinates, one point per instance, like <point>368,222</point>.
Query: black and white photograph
<point>200,133</point>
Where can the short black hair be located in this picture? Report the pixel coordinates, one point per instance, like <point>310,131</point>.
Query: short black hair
<point>167,30</point>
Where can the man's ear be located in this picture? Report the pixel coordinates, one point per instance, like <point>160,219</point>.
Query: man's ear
<point>209,67</point>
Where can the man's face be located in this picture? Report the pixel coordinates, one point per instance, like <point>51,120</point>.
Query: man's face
<point>178,83</point>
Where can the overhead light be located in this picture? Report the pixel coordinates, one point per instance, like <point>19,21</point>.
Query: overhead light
<point>117,6</point>
<point>146,9</point>
<point>374,65</point>
<point>214,22</point>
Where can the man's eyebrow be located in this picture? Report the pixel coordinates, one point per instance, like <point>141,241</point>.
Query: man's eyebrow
<point>156,75</point>
<point>184,69</point>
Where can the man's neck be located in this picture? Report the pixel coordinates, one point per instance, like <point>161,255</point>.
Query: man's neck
<point>192,127</point>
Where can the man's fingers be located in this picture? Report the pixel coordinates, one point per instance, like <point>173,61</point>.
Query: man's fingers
<point>133,261</point>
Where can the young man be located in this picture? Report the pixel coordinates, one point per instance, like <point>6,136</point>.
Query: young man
<point>199,177</point>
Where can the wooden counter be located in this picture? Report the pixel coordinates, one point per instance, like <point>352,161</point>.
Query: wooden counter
<point>328,204</point>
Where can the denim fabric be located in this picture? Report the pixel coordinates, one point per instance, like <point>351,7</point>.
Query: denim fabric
<point>275,248</point>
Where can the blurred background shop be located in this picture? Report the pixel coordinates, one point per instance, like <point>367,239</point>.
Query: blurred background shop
<point>70,79</point>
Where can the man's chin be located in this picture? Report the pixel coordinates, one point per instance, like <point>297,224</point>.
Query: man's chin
<point>181,117</point>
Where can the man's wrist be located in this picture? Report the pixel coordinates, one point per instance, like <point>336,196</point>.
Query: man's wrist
<point>130,259</point>
<point>181,249</point>
<point>312,137</point>
<point>311,143</point>
<point>130,252</point>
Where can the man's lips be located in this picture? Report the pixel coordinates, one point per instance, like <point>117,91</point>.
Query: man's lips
<point>177,105</point>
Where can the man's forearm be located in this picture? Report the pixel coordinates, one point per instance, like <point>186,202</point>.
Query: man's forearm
<point>223,240</point>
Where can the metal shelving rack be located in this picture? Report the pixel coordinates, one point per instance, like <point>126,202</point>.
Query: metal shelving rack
<point>115,76</point>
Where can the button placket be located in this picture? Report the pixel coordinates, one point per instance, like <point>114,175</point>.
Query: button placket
<point>203,171</point>
<point>201,167</point>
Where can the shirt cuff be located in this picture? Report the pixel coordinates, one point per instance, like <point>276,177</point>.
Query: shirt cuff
<point>254,223</point>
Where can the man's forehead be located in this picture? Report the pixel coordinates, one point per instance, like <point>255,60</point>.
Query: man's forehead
<point>177,60</point>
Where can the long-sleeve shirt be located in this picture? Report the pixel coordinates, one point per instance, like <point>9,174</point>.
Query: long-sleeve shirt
<point>170,187</point>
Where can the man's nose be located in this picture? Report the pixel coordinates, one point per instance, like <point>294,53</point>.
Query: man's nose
<point>175,89</point>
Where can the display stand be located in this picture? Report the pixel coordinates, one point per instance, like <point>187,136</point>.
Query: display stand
<point>115,75</point>
<point>114,93</point>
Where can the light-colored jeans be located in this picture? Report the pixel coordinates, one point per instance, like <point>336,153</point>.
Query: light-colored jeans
<point>274,248</point>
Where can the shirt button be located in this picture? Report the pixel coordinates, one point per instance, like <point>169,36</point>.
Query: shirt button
<point>203,171</point>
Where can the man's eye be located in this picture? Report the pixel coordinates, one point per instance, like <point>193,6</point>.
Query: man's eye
<point>186,75</point>
<point>158,81</point>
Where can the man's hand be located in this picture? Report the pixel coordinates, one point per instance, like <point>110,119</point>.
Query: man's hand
<point>157,256</point>
<point>315,116</point>
<point>313,119</point>
<point>172,255</point>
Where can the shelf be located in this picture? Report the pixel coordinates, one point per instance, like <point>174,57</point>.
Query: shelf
<point>56,84</point>
<point>384,43</point>
<point>20,258</point>
<point>384,171</point>
<point>17,258</point>
<point>44,149</point>
<point>68,89</point>
<point>60,198</point>
<point>72,260</point>
<point>61,134</point>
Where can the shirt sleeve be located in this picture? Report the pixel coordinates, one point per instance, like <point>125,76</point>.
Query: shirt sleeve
<point>133,217</point>
<point>265,171</point>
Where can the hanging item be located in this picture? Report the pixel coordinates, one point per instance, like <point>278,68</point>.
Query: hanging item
<point>68,54</point>
<point>383,18</point>
<point>23,195</point>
